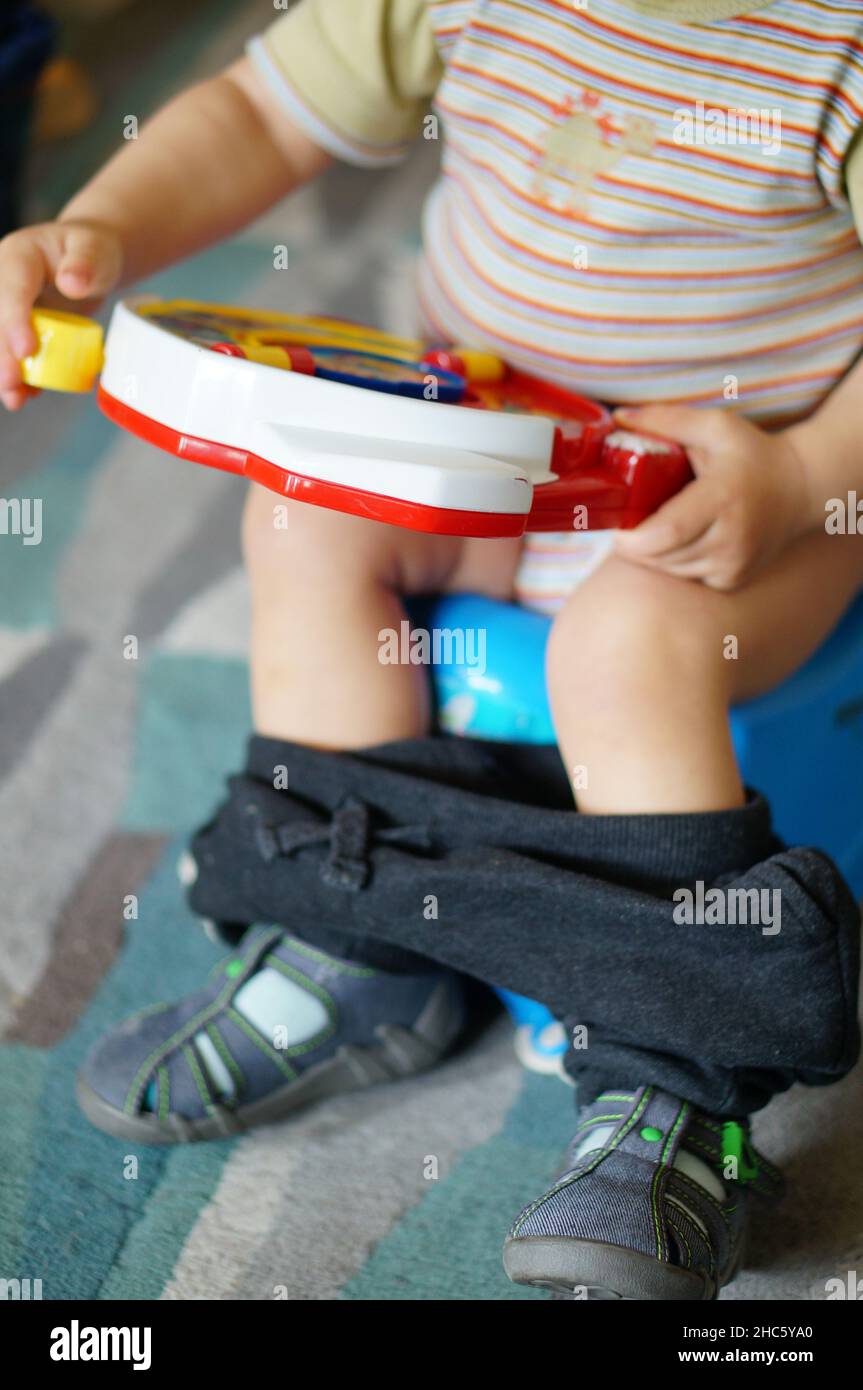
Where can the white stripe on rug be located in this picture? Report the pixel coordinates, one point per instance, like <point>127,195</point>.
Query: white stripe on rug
<point>302,1205</point>
<point>215,622</point>
<point>17,645</point>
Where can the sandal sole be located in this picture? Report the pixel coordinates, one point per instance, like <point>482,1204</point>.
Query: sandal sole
<point>603,1271</point>
<point>400,1053</point>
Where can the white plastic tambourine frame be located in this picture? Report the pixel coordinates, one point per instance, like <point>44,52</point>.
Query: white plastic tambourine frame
<point>421,452</point>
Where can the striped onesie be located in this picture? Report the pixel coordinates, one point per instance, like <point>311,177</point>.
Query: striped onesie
<point>639,199</point>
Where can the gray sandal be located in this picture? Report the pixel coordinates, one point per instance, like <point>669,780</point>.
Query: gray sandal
<point>653,1204</point>
<point>200,1069</point>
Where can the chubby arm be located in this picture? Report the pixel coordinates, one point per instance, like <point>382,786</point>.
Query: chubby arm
<point>210,161</point>
<point>830,443</point>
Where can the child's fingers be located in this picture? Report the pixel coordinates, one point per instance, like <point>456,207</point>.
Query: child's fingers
<point>18,396</point>
<point>10,370</point>
<point>692,562</point>
<point>22,276</point>
<point>681,523</point>
<point>707,571</point>
<point>89,264</point>
<point>82,262</point>
<point>695,427</point>
<point>702,548</point>
<point>698,567</point>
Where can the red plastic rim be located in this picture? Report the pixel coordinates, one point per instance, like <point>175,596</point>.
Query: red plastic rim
<point>374,506</point>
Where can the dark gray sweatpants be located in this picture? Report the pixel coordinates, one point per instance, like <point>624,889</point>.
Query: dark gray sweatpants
<point>469,853</point>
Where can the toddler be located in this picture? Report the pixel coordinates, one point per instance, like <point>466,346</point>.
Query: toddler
<point>657,203</point>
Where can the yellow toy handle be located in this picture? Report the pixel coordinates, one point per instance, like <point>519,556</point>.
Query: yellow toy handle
<point>70,353</point>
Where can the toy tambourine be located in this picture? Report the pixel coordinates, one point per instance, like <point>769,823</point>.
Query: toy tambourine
<point>443,440</point>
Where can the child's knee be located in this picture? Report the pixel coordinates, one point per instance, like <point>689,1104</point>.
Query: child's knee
<point>284,537</point>
<point>265,528</point>
<point>627,626</point>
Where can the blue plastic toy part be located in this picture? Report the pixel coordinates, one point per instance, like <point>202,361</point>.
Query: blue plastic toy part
<point>491,681</point>
<point>802,744</point>
<point>396,375</point>
<point>540,1041</point>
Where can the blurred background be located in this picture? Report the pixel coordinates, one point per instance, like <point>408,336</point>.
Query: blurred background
<point>108,761</point>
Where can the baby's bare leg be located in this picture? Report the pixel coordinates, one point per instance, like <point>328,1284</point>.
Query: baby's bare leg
<point>642,668</point>
<point>323,587</point>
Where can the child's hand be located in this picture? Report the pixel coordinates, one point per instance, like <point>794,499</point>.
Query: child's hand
<point>748,500</point>
<point>68,265</point>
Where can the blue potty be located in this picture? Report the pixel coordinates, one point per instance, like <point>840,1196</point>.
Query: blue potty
<point>802,744</point>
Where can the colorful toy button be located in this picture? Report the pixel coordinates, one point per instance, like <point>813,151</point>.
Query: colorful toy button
<point>444,360</point>
<point>477,368</point>
<point>299,358</point>
<point>396,375</point>
<point>70,354</point>
<point>226,349</point>
<point>268,354</point>
<point>481,367</point>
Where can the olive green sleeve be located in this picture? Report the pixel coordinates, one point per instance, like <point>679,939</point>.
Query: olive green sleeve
<point>356,75</point>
